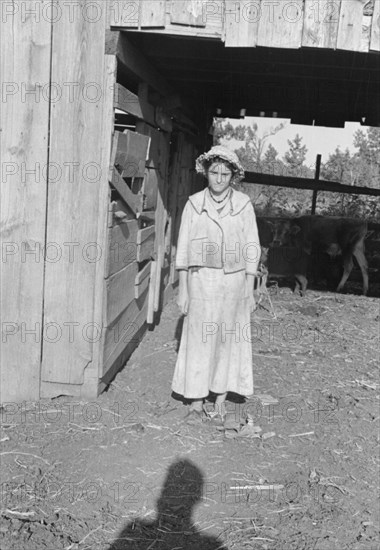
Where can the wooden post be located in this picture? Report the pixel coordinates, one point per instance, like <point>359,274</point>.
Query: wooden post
<point>316,178</point>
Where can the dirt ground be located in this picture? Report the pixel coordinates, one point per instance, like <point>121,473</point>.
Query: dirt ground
<point>126,472</point>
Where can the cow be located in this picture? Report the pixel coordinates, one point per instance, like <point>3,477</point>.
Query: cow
<point>329,237</point>
<point>291,264</point>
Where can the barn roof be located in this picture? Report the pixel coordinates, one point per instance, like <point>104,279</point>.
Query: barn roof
<point>310,61</point>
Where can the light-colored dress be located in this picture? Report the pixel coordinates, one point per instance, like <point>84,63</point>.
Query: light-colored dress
<point>215,352</point>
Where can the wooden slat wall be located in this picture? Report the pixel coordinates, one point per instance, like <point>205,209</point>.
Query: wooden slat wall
<point>241,23</point>
<point>271,23</point>
<point>152,13</point>
<point>24,146</point>
<point>75,127</point>
<point>375,28</point>
<point>321,22</point>
<point>281,24</point>
<point>350,26</point>
<point>187,12</point>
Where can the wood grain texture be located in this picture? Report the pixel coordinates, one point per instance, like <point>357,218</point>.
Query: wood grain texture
<point>375,28</point>
<point>141,287</point>
<point>125,332</point>
<point>120,290</point>
<point>145,250</point>
<point>143,273</point>
<point>241,23</point>
<point>25,61</point>
<point>124,14</point>
<point>144,234</point>
<point>150,189</point>
<point>281,24</point>
<point>89,388</point>
<point>187,12</point>
<point>122,246</point>
<point>131,153</point>
<point>321,20</point>
<point>133,201</point>
<point>350,25</point>
<point>73,208</point>
<point>152,13</point>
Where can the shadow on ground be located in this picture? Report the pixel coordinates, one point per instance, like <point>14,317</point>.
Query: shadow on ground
<point>173,528</point>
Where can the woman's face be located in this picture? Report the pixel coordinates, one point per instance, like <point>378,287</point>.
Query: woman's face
<point>219,177</point>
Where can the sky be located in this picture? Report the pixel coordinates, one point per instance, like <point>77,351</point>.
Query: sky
<point>318,139</point>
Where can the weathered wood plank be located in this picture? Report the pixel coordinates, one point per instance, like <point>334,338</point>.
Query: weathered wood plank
<point>241,23</point>
<point>131,153</point>
<point>143,273</point>
<point>92,374</point>
<point>375,28</point>
<point>144,234</point>
<point>350,25</point>
<point>124,14</point>
<point>122,247</point>
<point>133,201</point>
<point>152,286</point>
<point>129,102</point>
<point>158,150</point>
<point>141,287</point>
<point>187,12</point>
<point>150,189</point>
<point>75,130</point>
<point>321,22</point>
<point>119,213</point>
<point>125,332</point>
<point>281,24</point>
<point>148,216</point>
<point>120,292</point>
<point>152,13</point>
<point>145,250</point>
<point>25,60</point>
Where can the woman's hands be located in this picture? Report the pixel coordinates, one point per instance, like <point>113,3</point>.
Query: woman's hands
<point>183,293</point>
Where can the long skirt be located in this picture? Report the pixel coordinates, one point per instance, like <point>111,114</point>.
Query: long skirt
<point>215,352</point>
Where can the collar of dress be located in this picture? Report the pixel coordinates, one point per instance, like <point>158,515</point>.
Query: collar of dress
<point>237,200</point>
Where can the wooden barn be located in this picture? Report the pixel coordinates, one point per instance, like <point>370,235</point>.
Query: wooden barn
<point>105,106</point>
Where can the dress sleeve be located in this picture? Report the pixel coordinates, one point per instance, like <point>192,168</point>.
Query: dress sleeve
<point>252,243</point>
<point>182,259</point>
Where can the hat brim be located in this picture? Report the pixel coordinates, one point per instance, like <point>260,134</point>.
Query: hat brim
<point>238,170</point>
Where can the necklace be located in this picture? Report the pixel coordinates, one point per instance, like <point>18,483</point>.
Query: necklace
<point>223,199</point>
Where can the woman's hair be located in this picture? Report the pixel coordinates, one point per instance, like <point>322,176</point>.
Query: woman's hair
<point>213,160</point>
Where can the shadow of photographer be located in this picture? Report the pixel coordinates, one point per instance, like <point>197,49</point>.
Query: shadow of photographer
<point>173,528</point>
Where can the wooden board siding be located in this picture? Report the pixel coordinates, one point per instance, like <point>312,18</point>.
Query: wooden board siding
<point>75,137</point>
<point>92,375</point>
<point>123,335</point>
<point>145,250</point>
<point>375,29</point>
<point>321,21</point>
<point>187,12</point>
<point>120,290</point>
<point>327,24</point>
<point>122,246</point>
<point>350,26</point>
<point>131,153</point>
<point>24,146</point>
<point>152,13</point>
<point>132,200</point>
<point>281,24</point>
<point>241,23</point>
<point>124,14</point>
<point>150,189</point>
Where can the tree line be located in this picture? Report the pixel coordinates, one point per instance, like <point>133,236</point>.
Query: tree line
<point>360,168</point>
